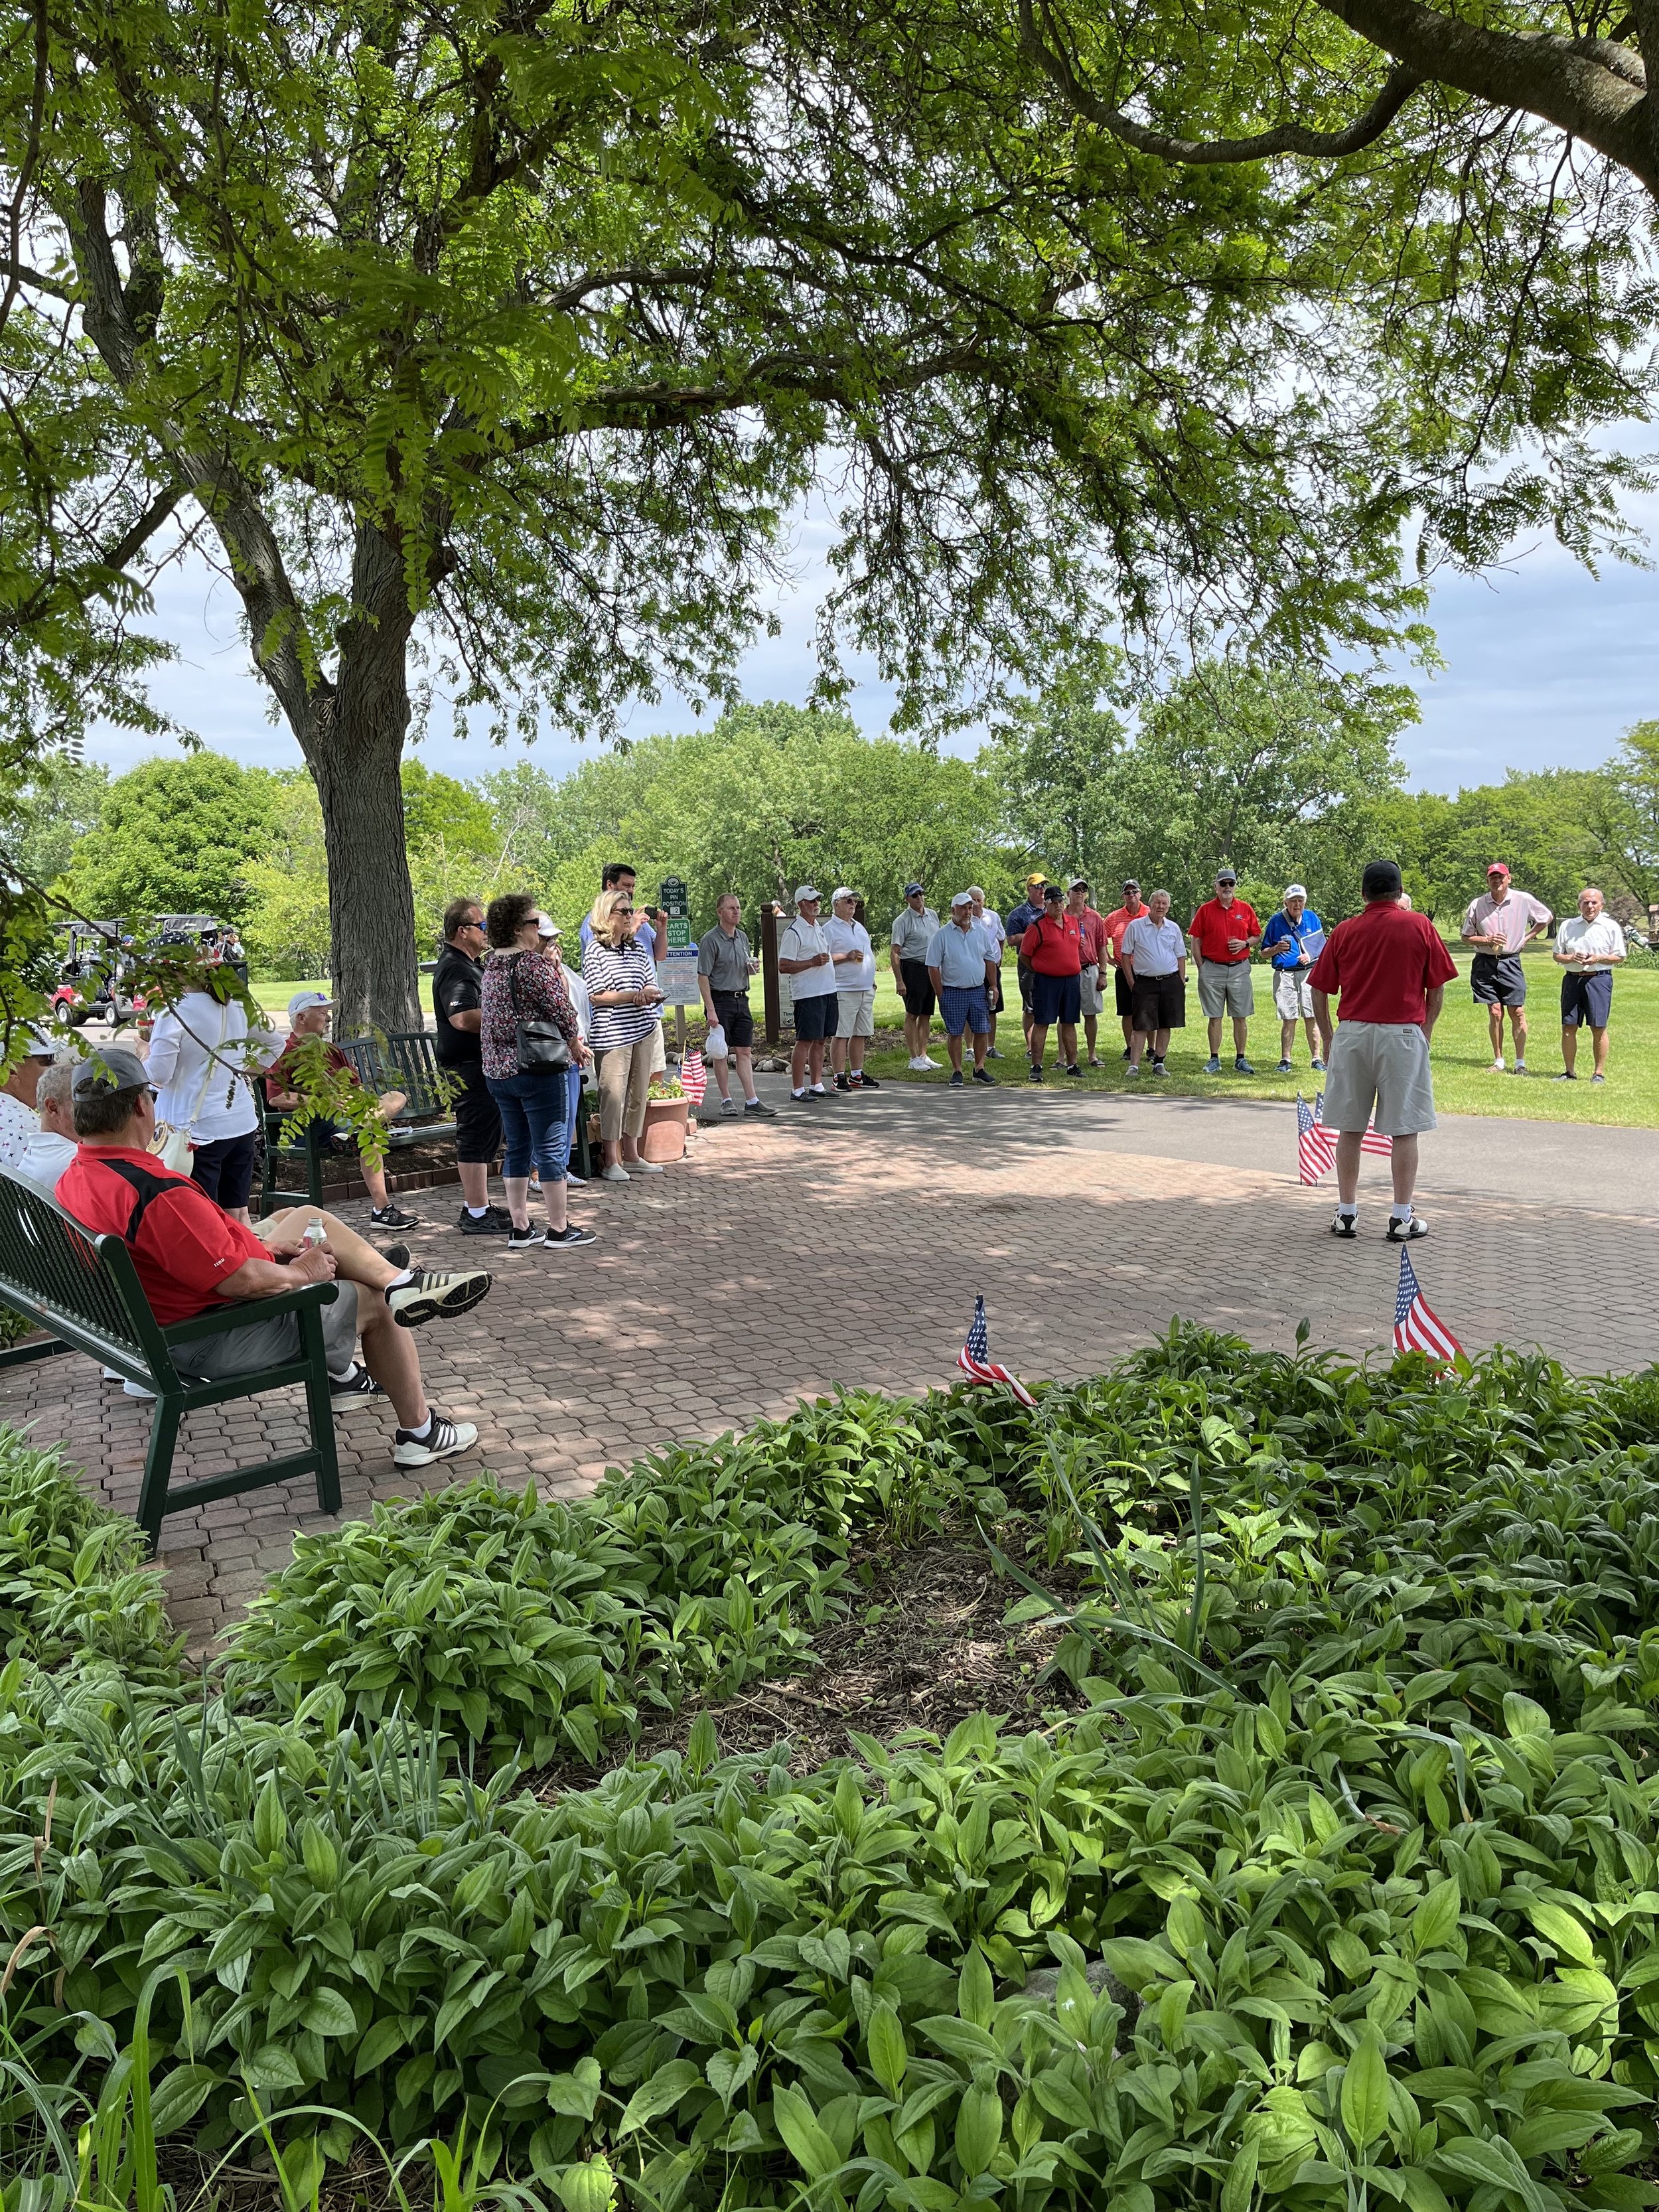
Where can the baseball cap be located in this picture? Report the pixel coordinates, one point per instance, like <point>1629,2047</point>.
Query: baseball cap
<point>1039,880</point>
<point>961,898</point>
<point>545,924</point>
<point>304,1002</point>
<point>1053,890</point>
<point>805,892</point>
<point>1132,883</point>
<point>1226,876</point>
<point>1295,890</point>
<point>1497,867</point>
<point>113,1068</point>
<point>910,890</point>
<point>39,1045</point>
<point>846,891</point>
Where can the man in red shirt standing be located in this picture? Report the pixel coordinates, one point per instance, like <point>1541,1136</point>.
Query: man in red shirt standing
<point>1391,970</point>
<point>1117,921</point>
<point>189,1254</point>
<point>1225,932</point>
<point>1092,932</point>
<point>1051,948</point>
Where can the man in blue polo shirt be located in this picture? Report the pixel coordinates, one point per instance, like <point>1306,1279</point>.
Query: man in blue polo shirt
<point>1293,940</point>
<point>962,966</point>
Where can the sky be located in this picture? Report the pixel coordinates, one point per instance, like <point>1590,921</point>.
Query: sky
<point>1545,666</point>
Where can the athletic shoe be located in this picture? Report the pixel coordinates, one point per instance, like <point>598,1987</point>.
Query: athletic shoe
<point>527,1240</point>
<point>818,1090</point>
<point>868,1083</point>
<point>396,1255</point>
<point>1074,1069</point>
<point>917,1064</point>
<point>1132,1069</point>
<point>442,1440</point>
<point>1159,1068</point>
<point>574,1181</point>
<point>644,1167</point>
<point>1567,1075</point>
<point>1345,1225</point>
<point>1598,1078</point>
<point>925,1062</point>
<point>1406,1232</point>
<point>1520,1068</point>
<point>135,1390</point>
<point>1499,1068</point>
<point>730,1109</point>
<point>1318,1067</point>
<point>614,1174</point>
<point>1093,1062</point>
<point>1242,1067</point>
<point>392,1217</point>
<point>1284,1067</point>
<point>1126,1054</point>
<point>956,1083</point>
<point>1034,1074</point>
<point>984,1075</point>
<point>435,1290</point>
<point>760,1111</point>
<point>568,1238</point>
<point>844,1083</point>
<point>993,1053</point>
<point>804,1098</point>
<point>1212,1066</point>
<point>492,1222</point>
<point>355,1388</point>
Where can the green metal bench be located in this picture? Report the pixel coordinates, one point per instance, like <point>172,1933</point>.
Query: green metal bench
<point>406,1064</point>
<point>85,1291</point>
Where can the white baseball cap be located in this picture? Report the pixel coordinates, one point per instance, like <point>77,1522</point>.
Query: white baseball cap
<point>806,892</point>
<point>305,1002</point>
<point>1295,890</point>
<point>844,893</point>
<point>545,924</point>
<point>961,898</point>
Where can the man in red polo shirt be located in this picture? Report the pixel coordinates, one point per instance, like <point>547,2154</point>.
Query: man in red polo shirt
<point>1051,948</point>
<point>1391,970</point>
<point>189,1254</point>
<point>1225,932</point>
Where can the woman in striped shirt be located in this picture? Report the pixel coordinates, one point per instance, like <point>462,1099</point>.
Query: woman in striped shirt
<point>621,976</point>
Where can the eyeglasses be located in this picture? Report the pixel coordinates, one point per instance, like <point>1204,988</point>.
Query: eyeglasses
<point>622,909</point>
<point>472,925</point>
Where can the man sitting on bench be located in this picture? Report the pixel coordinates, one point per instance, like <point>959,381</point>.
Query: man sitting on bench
<point>188,1253</point>
<point>308,1014</point>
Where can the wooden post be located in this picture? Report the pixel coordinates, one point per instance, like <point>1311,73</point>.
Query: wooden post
<point>768,938</point>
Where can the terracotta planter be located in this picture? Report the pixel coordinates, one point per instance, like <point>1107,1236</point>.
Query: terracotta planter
<point>663,1137</point>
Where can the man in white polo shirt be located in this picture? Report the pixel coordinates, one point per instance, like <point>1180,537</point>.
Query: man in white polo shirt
<point>804,956</point>
<point>853,959</point>
<point>1588,949</point>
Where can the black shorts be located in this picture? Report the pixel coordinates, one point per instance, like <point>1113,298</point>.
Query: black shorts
<point>918,989</point>
<point>224,1170</point>
<point>1586,1000</point>
<point>1126,997</point>
<point>1497,980</point>
<point>815,1017</point>
<point>477,1123</point>
<point>994,996</point>
<point>1160,1003</point>
<point>732,1012</point>
<point>1055,998</point>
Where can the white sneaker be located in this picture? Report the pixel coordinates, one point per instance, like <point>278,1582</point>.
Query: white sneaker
<point>1497,1068</point>
<point>575,1181</point>
<point>442,1441</point>
<point>644,1167</point>
<point>614,1175</point>
<point>925,1062</point>
<point>918,1064</point>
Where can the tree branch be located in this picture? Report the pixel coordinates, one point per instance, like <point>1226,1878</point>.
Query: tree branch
<point>19,272</point>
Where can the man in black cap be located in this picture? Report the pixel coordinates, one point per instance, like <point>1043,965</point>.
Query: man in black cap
<point>189,1254</point>
<point>915,927</point>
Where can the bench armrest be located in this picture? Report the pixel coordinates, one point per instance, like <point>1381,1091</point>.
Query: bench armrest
<point>237,1313</point>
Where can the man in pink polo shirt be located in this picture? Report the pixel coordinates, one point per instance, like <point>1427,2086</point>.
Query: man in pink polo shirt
<point>1497,925</point>
<point>1391,970</point>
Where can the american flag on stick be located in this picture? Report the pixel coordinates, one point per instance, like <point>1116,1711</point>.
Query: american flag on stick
<point>976,1364</point>
<point>1417,1326</point>
<point>694,1076</point>
<point>1315,1147</point>
<point>1372,1141</point>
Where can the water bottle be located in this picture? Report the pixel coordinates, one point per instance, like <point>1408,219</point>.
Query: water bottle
<point>315,1233</point>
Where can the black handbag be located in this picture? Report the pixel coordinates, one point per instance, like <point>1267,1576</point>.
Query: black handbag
<point>541,1046</point>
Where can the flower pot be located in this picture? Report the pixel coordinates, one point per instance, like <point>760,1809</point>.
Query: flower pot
<point>663,1137</point>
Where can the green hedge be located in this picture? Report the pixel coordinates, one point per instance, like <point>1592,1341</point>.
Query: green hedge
<point>1350,1871</point>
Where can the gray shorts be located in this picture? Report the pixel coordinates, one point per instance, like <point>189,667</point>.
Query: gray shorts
<point>1293,995</point>
<point>1225,990</point>
<point>1090,1002</point>
<point>855,1013</point>
<point>1381,1064</point>
<point>259,1344</point>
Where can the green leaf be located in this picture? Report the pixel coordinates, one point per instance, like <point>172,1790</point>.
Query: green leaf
<point>1239,2186</point>
<point>727,2071</point>
<point>181,2095</point>
<point>1435,1920</point>
<point>889,2053</point>
<point>978,2129</point>
<point>589,2188</point>
<point>385,2037</point>
<point>1559,1927</point>
<point>329,2013</point>
<point>270,1820</point>
<point>660,2095</point>
<point>804,2137</point>
<point>1366,2091</point>
<point>976,1993</point>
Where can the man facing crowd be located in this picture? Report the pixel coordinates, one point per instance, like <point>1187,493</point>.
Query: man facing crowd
<point>190,1254</point>
<point>1091,934</point>
<point>1117,921</point>
<point>458,1048</point>
<point>1389,970</point>
<point>915,927</point>
<point>725,965</point>
<point>1588,949</point>
<point>1224,933</point>
<point>962,966</point>
<point>1152,954</point>
<point>1498,924</point>
<point>1293,939</point>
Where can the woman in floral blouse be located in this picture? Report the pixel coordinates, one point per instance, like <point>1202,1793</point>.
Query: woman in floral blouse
<point>518,985</point>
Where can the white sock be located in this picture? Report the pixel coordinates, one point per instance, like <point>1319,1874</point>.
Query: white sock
<point>398,1281</point>
<point>346,1377</point>
<point>477,1211</point>
<point>1347,1207</point>
<point>753,1099</point>
<point>1400,1213</point>
<point>421,1434</point>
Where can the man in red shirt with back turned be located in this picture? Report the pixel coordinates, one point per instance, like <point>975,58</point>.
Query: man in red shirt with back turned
<point>1391,970</point>
<point>1051,948</point>
<point>1225,932</point>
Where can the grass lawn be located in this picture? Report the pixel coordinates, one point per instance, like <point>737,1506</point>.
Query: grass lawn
<point>274,995</point>
<point>1463,1080</point>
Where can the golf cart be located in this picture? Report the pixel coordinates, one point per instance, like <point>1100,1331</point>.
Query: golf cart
<point>91,977</point>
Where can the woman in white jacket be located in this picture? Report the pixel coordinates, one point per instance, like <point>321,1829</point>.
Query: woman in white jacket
<point>198,1051</point>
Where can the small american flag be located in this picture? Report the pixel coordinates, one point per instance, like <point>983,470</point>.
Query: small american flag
<point>1370,1142</point>
<point>1417,1328</point>
<point>1316,1148</point>
<point>976,1361</point>
<point>694,1076</point>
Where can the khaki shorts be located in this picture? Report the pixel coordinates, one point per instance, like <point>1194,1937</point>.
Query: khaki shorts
<point>1225,990</point>
<point>855,1013</point>
<point>1384,1064</point>
<point>1293,995</point>
<point>1090,1002</point>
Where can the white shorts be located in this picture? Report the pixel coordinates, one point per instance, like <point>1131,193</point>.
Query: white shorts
<point>1384,1065</point>
<point>1224,990</point>
<point>1090,1002</point>
<point>1293,995</point>
<point>855,1013</point>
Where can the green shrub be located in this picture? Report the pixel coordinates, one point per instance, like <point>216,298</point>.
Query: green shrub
<point>74,1584</point>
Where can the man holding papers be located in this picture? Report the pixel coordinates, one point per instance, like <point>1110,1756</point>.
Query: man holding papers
<point>1293,940</point>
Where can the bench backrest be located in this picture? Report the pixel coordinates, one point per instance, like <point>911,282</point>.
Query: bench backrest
<point>402,1059</point>
<point>82,1287</point>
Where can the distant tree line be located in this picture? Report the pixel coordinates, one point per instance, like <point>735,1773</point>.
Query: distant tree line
<point>1284,775</point>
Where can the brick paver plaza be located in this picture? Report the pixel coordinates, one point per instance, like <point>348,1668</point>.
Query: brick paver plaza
<point>844,1243</point>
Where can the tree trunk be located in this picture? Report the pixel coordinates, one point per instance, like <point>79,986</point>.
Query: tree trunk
<point>354,750</point>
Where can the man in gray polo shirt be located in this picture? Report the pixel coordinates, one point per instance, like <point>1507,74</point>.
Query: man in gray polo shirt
<point>725,965</point>
<point>915,927</point>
